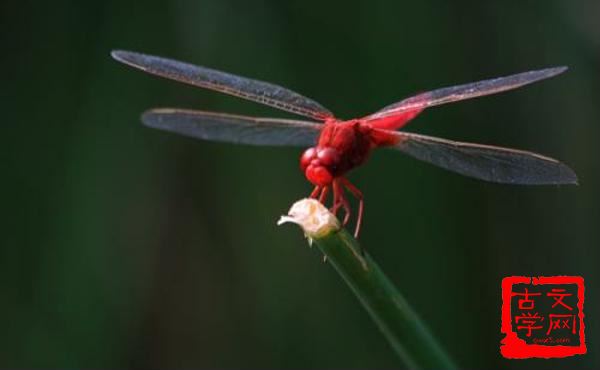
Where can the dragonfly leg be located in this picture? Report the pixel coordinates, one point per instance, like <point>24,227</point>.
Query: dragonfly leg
<point>361,204</point>
<point>324,193</point>
<point>339,200</point>
<point>315,192</point>
<point>336,199</point>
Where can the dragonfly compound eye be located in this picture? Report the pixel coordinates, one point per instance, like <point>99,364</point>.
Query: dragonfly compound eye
<point>307,157</point>
<point>328,156</point>
<point>318,175</point>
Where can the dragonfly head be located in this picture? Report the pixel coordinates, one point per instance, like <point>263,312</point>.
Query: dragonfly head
<point>319,165</point>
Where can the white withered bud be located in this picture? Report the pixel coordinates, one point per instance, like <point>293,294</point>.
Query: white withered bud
<point>313,217</point>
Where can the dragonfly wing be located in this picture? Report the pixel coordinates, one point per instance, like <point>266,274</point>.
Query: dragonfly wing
<point>257,91</point>
<point>233,128</point>
<point>466,91</point>
<point>485,162</point>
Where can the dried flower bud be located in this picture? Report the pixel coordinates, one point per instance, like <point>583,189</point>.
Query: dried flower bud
<point>313,217</point>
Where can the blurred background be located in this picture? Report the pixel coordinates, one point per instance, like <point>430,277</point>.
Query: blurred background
<point>127,247</point>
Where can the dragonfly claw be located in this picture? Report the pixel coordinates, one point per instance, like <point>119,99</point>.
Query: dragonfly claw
<point>340,201</point>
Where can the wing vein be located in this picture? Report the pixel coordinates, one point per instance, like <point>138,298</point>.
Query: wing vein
<point>233,128</point>
<point>467,91</point>
<point>485,162</point>
<point>246,88</point>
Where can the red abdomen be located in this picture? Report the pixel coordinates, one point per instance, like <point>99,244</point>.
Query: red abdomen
<point>342,146</point>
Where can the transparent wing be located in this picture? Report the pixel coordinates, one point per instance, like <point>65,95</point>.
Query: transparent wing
<point>489,163</point>
<point>257,91</point>
<point>233,128</point>
<point>467,91</point>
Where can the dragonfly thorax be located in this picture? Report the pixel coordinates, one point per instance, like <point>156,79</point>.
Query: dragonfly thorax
<point>320,165</point>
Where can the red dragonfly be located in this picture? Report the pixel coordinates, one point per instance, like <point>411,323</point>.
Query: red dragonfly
<point>337,146</point>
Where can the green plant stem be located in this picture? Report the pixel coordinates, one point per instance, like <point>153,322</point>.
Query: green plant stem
<point>407,334</point>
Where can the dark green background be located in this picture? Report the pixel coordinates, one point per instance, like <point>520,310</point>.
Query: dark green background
<point>128,247</point>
